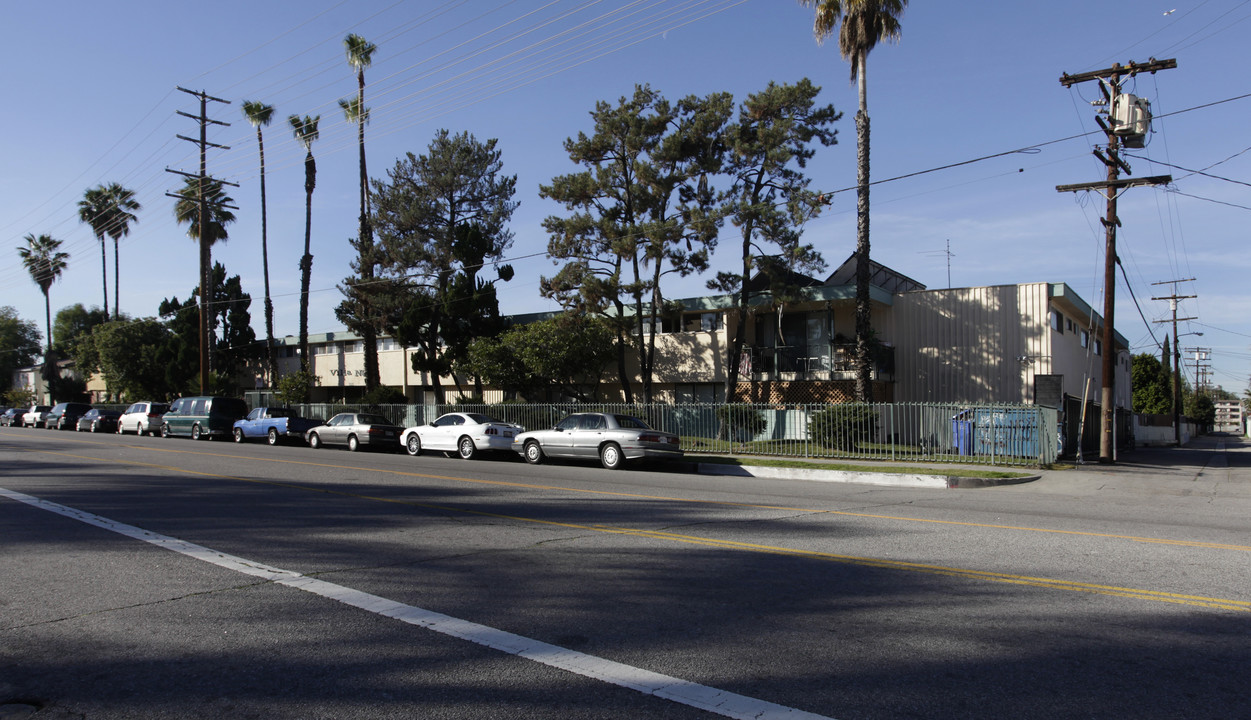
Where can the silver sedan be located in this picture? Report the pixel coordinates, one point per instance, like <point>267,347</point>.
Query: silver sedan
<point>611,437</point>
<point>356,430</point>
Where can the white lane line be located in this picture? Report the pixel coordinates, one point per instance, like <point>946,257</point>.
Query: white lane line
<point>711,699</point>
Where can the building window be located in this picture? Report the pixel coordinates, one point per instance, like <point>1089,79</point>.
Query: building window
<point>1057,321</point>
<point>1085,338</point>
<point>1068,324</point>
<point>648,323</point>
<point>354,347</point>
<point>701,322</point>
<point>326,349</point>
<point>1098,347</point>
<point>388,344</point>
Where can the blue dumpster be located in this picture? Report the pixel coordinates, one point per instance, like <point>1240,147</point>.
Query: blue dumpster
<point>962,433</point>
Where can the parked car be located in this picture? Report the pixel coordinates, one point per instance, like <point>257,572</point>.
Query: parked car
<point>97,420</point>
<point>36,415</point>
<point>463,433</point>
<point>202,417</point>
<point>142,417</point>
<point>611,437</point>
<point>273,424</point>
<point>355,430</point>
<point>64,416</point>
<point>12,416</point>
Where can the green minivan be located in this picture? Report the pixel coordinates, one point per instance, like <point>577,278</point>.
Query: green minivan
<point>202,417</point>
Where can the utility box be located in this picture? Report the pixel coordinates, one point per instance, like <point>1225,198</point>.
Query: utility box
<point>1131,119</point>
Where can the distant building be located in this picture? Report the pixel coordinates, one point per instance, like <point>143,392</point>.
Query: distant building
<point>1229,417</point>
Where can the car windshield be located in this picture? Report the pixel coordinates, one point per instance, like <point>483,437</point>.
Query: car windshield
<point>370,419</point>
<point>626,421</point>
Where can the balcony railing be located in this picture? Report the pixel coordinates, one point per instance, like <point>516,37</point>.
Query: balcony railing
<point>819,362</point>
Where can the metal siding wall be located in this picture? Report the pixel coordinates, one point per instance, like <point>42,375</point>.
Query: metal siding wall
<point>962,345</point>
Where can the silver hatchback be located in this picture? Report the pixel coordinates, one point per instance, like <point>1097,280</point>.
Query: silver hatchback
<point>610,437</point>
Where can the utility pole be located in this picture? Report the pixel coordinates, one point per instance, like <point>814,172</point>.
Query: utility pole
<point>1130,119</point>
<point>206,233</point>
<point>1201,366</point>
<point>1172,299</point>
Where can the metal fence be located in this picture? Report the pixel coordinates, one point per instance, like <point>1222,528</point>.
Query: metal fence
<point>902,432</point>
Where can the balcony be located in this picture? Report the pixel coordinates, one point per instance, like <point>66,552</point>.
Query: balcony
<point>822,362</point>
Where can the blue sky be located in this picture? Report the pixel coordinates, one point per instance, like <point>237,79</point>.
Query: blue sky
<point>91,99</point>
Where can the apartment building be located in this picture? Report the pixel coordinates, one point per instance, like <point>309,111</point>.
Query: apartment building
<point>1026,343</point>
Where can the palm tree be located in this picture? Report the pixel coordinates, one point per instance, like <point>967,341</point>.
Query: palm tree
<point>360,54</point>
<point>93,209</point>
<point>206,232</point>
<point>45,262</point>
<point>119,215</point>
<point>260,115</point>
<point>187,209</point>
<point>864,23</point>
<point>305,131</point>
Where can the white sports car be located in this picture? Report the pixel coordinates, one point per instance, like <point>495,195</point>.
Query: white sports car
<point>463,433</point>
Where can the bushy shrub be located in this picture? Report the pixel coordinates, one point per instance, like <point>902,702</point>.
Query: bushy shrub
<point>740,422</point>
<point>294,388</point>
<point>842,427</point>
<point>384,395</point>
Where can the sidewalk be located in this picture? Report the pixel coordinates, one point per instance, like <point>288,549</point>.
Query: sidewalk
<point>1207,457</point>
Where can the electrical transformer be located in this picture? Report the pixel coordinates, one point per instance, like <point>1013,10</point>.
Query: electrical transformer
<point>1131,119</point>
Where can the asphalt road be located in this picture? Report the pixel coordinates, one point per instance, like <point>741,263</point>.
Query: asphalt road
<point>151,578</point>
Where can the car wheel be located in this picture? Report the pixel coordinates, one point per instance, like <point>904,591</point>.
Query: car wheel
<point>272,437</point>
<point>195,432</point>
<point>534,452</point>
<point>238,435</point>
<point>466,448</point>
<point>314,441</point>
<point>95,427</point>
<point>610,456</point>
<point>413,445</point>
<point>119,429</point>
<point>165,430</point>
<point>353,443</point>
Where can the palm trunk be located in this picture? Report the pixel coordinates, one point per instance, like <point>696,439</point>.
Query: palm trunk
<point>104,274</point>
<point>47,312</point>
<point>269,304</point>
<point>864,378</point>
<point>306,262</point>
<point>369,334</point>
<point>117,311</point>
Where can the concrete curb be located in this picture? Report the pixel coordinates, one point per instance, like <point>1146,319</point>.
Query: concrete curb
<point>912,480</point>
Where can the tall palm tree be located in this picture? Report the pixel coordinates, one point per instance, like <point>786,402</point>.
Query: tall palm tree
<point>187,209</point>
<point>45,262</point>
<point>305,131</point>
<point>260,115</point>
<point>93,209</point>
<point>206,232</point>
<point>360,53</point>
<point>864,23</point>
<point>119,215</point>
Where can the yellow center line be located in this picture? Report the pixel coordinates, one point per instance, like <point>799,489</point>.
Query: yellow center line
<point>1039,582</point>
<point>724,503</point>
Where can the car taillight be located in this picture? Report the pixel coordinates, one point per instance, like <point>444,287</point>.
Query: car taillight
<point>651,438</point>
<point>492,431</point>
<point>377,431</point>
